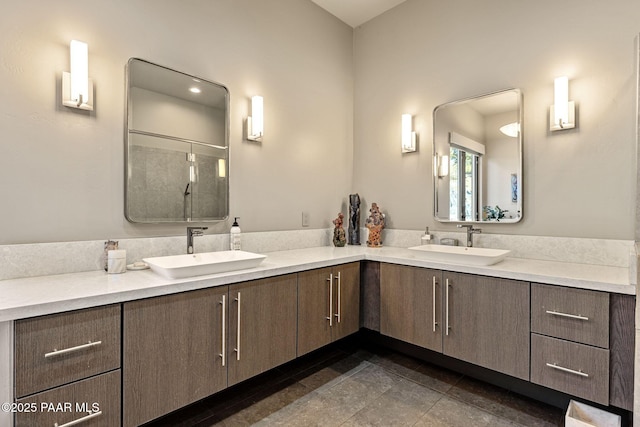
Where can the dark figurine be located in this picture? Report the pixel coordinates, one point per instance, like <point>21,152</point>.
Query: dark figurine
<point>354,219</point>
<point>339,238</point>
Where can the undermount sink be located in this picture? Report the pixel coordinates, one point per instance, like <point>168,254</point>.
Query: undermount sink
<point>181,266</point>
<point>461,254</point>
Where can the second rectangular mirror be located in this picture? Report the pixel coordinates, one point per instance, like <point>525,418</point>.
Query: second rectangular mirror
<point>177,150</point>
<point>477,149</point>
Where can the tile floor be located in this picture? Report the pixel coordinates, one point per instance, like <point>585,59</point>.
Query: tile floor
<point>358,387</point>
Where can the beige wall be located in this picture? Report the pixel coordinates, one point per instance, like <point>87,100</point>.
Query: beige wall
<point>333,100</point>
<point>578,183</point>
<point>61,172</point>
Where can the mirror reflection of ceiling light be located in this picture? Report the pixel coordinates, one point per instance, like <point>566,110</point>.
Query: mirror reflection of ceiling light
<point>511,129</point>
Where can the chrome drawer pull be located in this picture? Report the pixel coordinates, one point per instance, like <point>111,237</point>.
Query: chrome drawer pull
<point>339,302</point>
<point>571,316</point>
<point>447,326</point>
<point>79,420</point>
<point>72,349</point>
<point>571,371</point>
<point>330,318</point>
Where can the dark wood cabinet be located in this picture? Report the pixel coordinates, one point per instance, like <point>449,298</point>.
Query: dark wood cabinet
<point>328,305</point>
<point>262,326</point>
<point>411,305</point>
<point>172,352</point>
<point>486,322</point>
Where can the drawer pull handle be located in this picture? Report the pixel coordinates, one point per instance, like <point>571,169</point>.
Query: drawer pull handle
<point>72,349</point>
<point>433,292</point>
<point>237,349</point>
<point>223,355</point>
<point>330,317</point>
<point>79,420</point>
<point>571,316</point>
<point>571,371</point>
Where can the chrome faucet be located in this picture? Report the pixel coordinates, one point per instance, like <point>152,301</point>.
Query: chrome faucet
<point>470,232</point>
<point>191,233</point>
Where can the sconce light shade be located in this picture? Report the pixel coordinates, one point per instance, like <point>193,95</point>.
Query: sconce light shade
<point>77,87</point>
<point>441,166</point>
<point>562,112</point>
<point>255,122</point>
<point>408,135</point>
<point>222,168</point>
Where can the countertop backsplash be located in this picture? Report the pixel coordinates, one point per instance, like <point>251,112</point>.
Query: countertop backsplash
<point>41,259</point>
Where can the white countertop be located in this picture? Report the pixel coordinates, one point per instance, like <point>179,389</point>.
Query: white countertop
<point>21,298</point>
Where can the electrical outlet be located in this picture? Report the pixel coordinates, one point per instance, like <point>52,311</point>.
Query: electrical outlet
<point>305,219</point>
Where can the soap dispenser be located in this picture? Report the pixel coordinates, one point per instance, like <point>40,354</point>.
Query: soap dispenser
<point>234,235</point>
<point>426,237</point>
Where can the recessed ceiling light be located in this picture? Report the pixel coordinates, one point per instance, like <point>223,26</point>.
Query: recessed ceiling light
<point>194,90</point>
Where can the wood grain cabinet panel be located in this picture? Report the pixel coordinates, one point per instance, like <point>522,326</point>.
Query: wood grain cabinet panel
<point>577,369</point>
<point>328,305</point>
<point>262,326</point>
<point>487,322</point>
<point>172,352</point>
<point>573,314</point>
<point>411,305</point>
<point>100,395</point>
<point>60,348</point>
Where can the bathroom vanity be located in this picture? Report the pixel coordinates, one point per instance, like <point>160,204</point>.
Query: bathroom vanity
<point>136,346</point>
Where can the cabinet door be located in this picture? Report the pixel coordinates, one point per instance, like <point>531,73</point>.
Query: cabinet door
<point>315,309</point>
<point>410,305</point>
<point>172,352</point>
<point>346,293</point>
<point>262,326</point>
<point>487,322</point>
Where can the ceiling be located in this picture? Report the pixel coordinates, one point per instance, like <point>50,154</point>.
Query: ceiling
<point>357,12</point>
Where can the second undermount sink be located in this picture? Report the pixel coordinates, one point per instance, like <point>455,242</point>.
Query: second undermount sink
<point>460,254</point>
<point>181,266</point>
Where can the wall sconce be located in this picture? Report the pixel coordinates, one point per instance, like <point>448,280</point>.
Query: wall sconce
<point>562,114</point>
<point>77,87</point>
<point>441,166</point>
<point>255,122</point>
<point>408,135</point>
<point>222,168</point>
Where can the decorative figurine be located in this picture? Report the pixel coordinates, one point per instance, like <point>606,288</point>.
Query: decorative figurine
<point>339,238</point>
<point>354,219</point>
<point>375,224</point>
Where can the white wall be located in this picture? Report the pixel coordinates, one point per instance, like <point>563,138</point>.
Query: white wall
<point>62,171</point>
<point>577,183</point>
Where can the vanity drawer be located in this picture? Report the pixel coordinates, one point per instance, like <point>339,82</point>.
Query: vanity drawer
<point>61,348</point>
<point>99,394</point>
<point>573,314</point>
<point>576,369</point>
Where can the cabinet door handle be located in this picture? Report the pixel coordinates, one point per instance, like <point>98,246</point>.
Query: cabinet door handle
<point>447,327</point>
<point>339,302</point>
<point>223,355</point>
<point>72,349</point>
<point>237,349</point>
<point>330,318</point>
<point>79,420</point>
<point>571,371</point>
<point>433,291</point>
<point>571,316</point>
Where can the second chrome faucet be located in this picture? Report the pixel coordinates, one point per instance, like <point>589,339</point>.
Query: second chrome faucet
<point>191,233</point>
<point>470,232</point>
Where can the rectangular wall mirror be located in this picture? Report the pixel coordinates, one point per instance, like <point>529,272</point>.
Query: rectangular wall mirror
<point>477,152</point>
<point>176,145</point>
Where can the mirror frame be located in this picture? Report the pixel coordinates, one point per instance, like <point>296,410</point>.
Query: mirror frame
<point>127,133</point>
<point>520,141</point>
